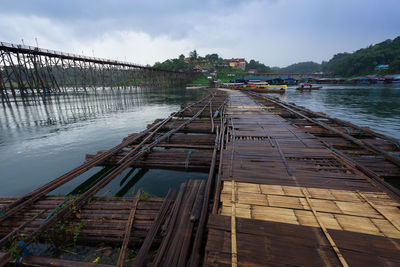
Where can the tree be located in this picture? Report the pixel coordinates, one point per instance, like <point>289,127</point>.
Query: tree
<point>214,58</point>
<point>193,55</point>
<point>364,61</point>
<point>301,67</point>
<point>253,64</point>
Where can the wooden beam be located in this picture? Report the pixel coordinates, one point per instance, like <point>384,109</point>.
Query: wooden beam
<point>128,228</point>
<point>144,249</point>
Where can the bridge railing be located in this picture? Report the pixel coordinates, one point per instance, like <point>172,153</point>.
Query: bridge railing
<point>49,52</point>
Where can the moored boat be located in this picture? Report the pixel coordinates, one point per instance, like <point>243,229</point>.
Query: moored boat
<point>307,87</point>
<point>266,85</point>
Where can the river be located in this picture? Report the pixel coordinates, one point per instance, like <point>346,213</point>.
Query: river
<point>376,106</point>
<point>44,138</point>
<point>40,140</point>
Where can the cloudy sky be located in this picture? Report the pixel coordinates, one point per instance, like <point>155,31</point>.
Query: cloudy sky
<point>275,32</point>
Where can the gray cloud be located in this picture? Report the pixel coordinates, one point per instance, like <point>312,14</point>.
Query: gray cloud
<point>276,32</point>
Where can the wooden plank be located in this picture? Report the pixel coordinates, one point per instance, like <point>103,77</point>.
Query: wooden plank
<point>140,257</point>
<point>328,236</point>
<point>127,234</point>
<point>233,226</point>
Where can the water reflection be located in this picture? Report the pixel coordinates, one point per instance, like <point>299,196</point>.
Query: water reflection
<point>377,106</point>
<point>33,113</point>
<point>42,138</point>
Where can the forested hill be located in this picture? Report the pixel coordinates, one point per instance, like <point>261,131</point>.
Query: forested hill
<point>365,60</point>
<point>302,67</point>
<point>361,62</point>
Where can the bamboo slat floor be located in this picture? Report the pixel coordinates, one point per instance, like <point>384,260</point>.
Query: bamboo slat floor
<point>104,218</point>
<point>293,201</point>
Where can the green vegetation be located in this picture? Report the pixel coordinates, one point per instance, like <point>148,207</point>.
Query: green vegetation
<point>226,74</point>
<point>144,195</point>
<point>361,62</point>
<point>174,64</point>
<point>201,79</point>
<point>208,61</point>
<point>364,61</point>
<point>257,66</point>
<point>301,67</point>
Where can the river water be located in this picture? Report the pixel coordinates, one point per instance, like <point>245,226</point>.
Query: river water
<point>44,138</point>
<point>376,106</point>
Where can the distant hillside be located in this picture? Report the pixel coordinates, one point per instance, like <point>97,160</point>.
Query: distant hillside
<point>255,65</point>
<point>302,67</point>
<point>364,61</point>
<point>361,62</point>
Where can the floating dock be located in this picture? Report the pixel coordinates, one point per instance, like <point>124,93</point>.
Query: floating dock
<point>158,231</point>
<point>285,186</point>
<point>287,199</point>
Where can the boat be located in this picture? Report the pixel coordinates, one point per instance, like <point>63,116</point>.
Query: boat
<point>265,85</point>
<point>269,91</point>
<point>195,87</point>
<point>307,87</point>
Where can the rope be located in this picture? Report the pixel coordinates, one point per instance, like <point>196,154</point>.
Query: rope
<point>3,213</point>
<point>169,128</point>
<point>55,210</point>
<point>187,158</point>
<point>347,129</point>
<point>145,149</point>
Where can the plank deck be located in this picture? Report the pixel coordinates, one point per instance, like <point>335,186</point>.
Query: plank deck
<point>289,187</point>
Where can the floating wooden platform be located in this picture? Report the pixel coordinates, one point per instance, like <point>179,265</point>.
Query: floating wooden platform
<point>104,218</point>
<point>160,231</point>
<point>293,188</point>
<point>287,199</point>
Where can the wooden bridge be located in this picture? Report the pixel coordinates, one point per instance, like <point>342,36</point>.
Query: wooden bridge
<point>285,186</point>
<point>32,70</point>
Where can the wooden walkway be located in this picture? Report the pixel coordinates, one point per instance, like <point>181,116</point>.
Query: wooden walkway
<point>286,199</point>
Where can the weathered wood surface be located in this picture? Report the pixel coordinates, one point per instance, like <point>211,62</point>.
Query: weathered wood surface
<point>268,243</point>
<point>170,143</point>
<point>104,218</point>
<point>297,202</point>
<point>176,159</point>
<point>363,145</point>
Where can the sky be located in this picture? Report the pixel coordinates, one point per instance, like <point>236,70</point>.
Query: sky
<point>274,32</point>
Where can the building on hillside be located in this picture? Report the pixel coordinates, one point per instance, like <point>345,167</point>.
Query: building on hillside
<point>198,68</point>
<point>237,63</point>
<point>252,71</point>
<point>188,60</point>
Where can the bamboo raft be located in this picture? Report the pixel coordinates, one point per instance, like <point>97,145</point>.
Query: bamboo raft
<point>292,187</point>
<point>287,197</point>
<point>169,230</point>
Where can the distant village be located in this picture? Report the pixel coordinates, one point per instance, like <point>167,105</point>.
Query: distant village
<point>235,63</point>
<point>243,75</point>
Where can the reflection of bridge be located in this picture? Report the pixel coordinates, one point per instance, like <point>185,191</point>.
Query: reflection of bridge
<point>27,69</point>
